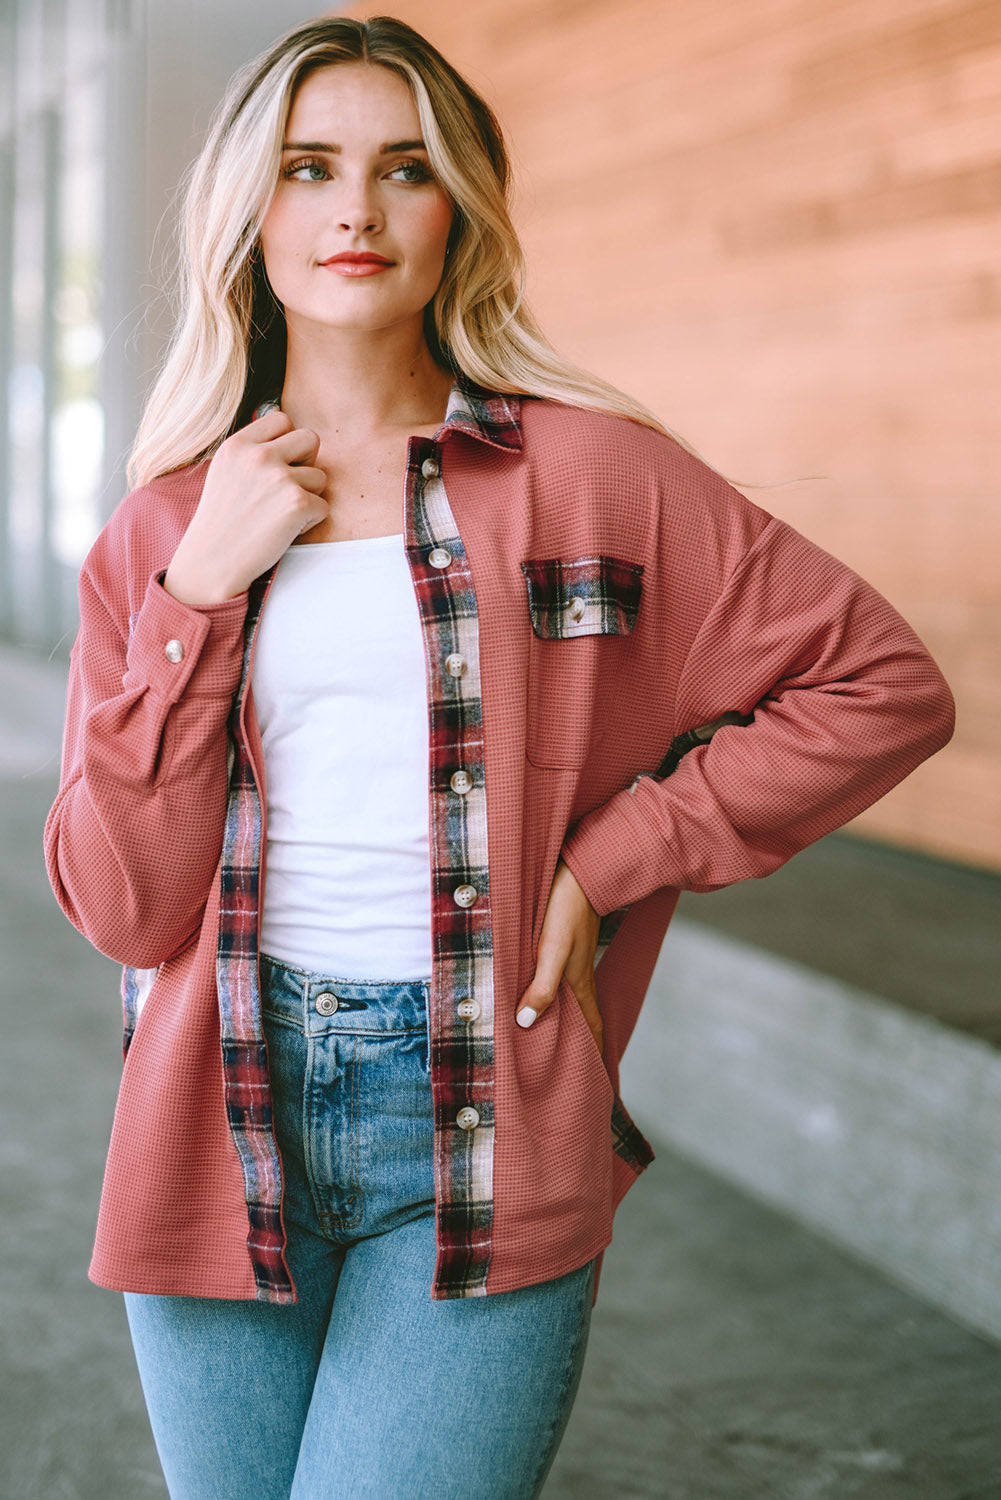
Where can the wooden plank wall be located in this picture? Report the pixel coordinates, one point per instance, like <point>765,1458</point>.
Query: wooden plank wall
<point>778,222</point>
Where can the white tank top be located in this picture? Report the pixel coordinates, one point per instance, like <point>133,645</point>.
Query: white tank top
<point>340,690</point>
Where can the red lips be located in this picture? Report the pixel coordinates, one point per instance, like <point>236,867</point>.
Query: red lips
<point>356,258</point>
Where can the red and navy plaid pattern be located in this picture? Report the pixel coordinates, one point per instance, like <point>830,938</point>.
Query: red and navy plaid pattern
<point>462,996</point>
<point>582,596</point>
<point>462,1054</point>
<point>628,1141</point>
<point>136,985</point>
<point>246,1081</point>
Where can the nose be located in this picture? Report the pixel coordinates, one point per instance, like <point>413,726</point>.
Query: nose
<point>361,223</point>
<point>358,211</point>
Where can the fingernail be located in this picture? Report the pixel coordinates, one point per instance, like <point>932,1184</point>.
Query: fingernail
<point>526,1016</point>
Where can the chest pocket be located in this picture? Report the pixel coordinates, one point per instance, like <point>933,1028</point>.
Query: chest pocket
<point>582,611</point>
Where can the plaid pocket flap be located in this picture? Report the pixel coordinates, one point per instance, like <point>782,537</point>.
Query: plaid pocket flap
<point>582,596</point>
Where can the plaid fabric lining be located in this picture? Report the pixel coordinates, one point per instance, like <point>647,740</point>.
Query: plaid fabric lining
<point>246,1080</point>
<point>136,985</point>
<point>584,596</point>
<point>462,1055</point>
<point>627,1140</point>
<point>462,1052</point>
<point>608,926</point>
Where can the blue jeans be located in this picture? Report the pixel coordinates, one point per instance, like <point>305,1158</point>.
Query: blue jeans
<point>366,1387</point>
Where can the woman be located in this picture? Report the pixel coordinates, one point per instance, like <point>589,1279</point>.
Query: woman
<point>369,1142</point>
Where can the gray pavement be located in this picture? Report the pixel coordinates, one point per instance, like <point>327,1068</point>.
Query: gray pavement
<point>733,1353</point>
<point>921,932</point>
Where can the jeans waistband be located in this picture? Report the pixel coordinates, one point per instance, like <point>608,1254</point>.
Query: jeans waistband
<point>331,1002</point>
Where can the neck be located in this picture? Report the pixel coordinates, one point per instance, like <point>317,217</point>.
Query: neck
<point>351,381</point>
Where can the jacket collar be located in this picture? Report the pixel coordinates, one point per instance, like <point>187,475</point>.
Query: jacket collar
<point>486,415</point>
<point>479,413</point>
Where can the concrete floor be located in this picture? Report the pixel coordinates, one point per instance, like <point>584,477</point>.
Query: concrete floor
<point>733,1354</point>
<point>921,932</point>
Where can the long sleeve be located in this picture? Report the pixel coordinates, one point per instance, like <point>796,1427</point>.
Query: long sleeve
<point>133,839</point>
<point>846,702</point>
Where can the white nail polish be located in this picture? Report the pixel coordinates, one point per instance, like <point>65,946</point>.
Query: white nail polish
<point>526,1016</point>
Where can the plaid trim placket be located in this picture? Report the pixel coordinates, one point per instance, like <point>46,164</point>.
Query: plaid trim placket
<point>462,991</point>
<point>461,1001</point>
<point>462,998</point>
<point>246,1082</point>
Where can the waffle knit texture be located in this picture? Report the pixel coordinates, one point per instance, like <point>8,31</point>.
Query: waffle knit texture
<point>605,591</point>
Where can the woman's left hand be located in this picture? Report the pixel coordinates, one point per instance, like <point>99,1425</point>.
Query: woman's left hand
<point>567,945</point>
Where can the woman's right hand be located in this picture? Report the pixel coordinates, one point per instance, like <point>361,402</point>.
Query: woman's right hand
<point>261,490</point>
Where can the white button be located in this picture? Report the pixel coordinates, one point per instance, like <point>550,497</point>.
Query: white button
<point>439,557</point>
<point>465,895</point>
<point>455,664</point>
<point>468,1118</point>
<point>576,607</point>
<point>173,651</point>
<point>468,1009</point>
<point>326,1003</point>
<point>429,468</point>
<point>461,782</point>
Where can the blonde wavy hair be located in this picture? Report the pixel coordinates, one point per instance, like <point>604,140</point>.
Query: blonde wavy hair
<point>228,350</point>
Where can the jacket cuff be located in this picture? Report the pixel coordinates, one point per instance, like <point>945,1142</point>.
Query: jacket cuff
<point>613,849</point>
<point>173,644</point>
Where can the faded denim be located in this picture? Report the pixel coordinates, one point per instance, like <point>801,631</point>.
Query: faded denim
<point>366,1387</point>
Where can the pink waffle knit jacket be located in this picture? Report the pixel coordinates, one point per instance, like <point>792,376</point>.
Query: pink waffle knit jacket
<point>622,593</point>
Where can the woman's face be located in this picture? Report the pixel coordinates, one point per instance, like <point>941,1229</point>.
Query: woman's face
<point>355,183</point>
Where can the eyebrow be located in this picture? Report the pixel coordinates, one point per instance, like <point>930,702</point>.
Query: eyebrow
<point>385,150</point>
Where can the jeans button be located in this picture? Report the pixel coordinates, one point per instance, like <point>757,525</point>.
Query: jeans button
<point>326,1003</point>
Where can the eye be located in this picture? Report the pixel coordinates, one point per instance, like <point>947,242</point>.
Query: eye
<point>306,169</point>
<point>412,171</point>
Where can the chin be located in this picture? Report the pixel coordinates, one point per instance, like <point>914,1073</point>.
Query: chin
<point>374,318</point>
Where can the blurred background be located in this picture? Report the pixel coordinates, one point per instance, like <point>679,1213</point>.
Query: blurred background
<point>778,223</point>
